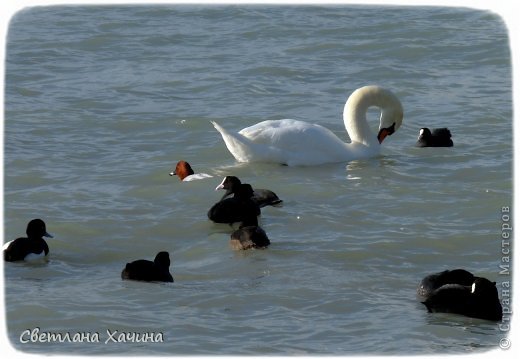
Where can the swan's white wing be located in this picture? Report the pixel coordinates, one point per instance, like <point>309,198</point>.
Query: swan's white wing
<point>292,134</point>
<point>300,143</point>
<point>289,142</point>
<point>245,150</point>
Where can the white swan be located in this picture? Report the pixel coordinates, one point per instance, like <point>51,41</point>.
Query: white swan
<point>296,143</point>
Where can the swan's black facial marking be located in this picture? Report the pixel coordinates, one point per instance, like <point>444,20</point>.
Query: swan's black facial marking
<point>388,131</point>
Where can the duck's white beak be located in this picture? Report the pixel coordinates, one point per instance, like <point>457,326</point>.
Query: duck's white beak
<point>221,185</point>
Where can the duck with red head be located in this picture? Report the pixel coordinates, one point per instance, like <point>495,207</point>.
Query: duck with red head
<point>185,173</point>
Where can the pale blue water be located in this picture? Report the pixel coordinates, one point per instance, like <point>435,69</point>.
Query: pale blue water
<point>101,102</point>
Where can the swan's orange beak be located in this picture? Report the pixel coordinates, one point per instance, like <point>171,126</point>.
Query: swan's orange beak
<point>385,132</point>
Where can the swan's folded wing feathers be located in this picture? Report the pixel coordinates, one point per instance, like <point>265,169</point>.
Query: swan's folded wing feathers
<point>282,140</point>
<point>290,134</point>
<point>244,149</point>
<point>268,132</point>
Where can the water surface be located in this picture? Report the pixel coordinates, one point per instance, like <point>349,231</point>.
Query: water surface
<point>102,101</point>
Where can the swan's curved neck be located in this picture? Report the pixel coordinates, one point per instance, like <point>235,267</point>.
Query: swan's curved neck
<point>356,107</point>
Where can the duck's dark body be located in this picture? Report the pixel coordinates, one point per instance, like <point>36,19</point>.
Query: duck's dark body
<point>145,270</point>
<point>439,137</point>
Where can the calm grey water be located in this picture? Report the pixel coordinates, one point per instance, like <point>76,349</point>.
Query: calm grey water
<point>101,102</point>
